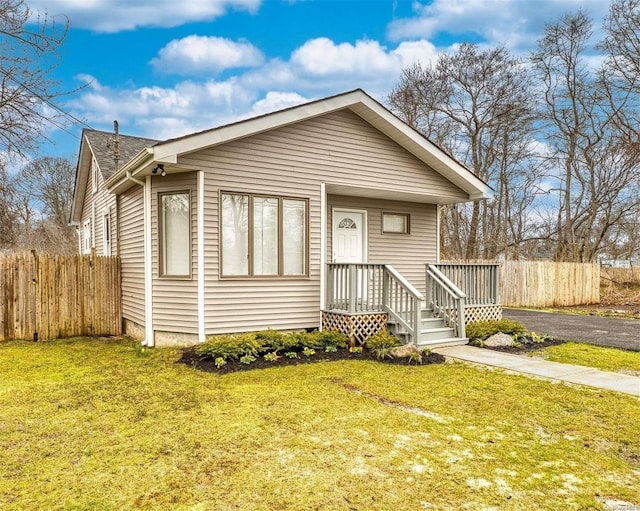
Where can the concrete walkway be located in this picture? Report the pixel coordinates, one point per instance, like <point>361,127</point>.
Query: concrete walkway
<point>543,368</point>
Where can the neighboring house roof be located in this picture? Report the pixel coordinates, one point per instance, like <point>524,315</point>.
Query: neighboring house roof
<point>357,101</point>
<point>101,146</point>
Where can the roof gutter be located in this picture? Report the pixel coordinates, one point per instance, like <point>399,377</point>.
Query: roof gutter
<point>129,177</point>
<point>130,167</point>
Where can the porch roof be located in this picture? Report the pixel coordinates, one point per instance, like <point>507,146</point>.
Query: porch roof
<point>389,193</point>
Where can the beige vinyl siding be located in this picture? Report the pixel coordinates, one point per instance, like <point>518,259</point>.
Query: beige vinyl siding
<point>338,148</point>
<point>407,253</point>
<point>175,300</point>
<point>102,201</point>
<point>131,217</point>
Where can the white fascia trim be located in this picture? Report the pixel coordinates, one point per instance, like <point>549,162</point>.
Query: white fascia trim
<point>254,126</point>
<point>476,188</point>
<point>323,247</point>
<point>148,270</point>
<point>200,227</point>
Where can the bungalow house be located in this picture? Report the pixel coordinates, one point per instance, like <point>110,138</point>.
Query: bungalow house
<point>320,215</point>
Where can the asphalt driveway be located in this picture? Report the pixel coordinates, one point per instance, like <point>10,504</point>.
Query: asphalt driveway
<point>615,332</point>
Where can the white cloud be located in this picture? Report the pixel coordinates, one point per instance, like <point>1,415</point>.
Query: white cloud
<point>104,16</point>
<point>515,23</point>
<point>13,163</point>
<point>274,101</point>
<point>197,54</point>
<point>159,112</point>
<point>364,59</point>
<point>316,69</point>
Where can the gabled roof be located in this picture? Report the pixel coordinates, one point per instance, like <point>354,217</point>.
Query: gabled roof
<point>101,146</point>
<point>357,101</point>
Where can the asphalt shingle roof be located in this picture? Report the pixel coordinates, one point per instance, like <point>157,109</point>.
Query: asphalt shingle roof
<point>102,146</point>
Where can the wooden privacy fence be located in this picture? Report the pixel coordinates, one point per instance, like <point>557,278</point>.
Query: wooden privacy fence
<point>45,296</point>
<point>547,283</point>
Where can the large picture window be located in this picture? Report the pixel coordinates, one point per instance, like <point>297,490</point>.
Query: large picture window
<point>175,237</point>
<point>263,236</point>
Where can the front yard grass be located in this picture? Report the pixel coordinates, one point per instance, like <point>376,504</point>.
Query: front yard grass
<point>102,425</point>
<point>600,357</point>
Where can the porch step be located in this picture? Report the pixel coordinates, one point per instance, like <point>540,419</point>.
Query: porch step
<point>433,332</point>
<point>454,341</point>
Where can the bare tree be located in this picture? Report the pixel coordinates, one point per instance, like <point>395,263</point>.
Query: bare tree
<point>8,211</point>
<point>44,189</point>
<point>593,169</point>
<point>27,87</point>
<point>476,104</point>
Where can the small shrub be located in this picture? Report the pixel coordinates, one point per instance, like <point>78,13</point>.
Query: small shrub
<point>291,354</point>
<point>230,347</point>
<point>273,340</point>
<point>330,349</point>
<point>382,343</point>
<point>356,349</point>
<point>331,338</point>
<point>271,356</point>
<point>479,331</point>
<point>416,357</point>
<point>247,359</point>
<point>219,362</point>
<point>307,352</point>
<point>530,338</point>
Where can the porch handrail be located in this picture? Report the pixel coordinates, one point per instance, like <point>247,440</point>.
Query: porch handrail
<point>360,287</point>
<point>446,299</point>
<point>403,302</point>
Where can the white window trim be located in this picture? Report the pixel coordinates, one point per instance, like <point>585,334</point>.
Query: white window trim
<point>161,241</point>
<point>250,266</point>
<point>106,233</point>
<point>87,237</point>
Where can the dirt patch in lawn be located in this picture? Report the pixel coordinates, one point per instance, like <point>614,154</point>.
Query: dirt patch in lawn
<point>207,364</point>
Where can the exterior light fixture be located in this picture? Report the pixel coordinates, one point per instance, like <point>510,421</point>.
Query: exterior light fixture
<point>159,167</point>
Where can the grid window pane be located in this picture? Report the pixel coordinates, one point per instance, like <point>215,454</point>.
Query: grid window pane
<point>294,238</point>
<point>176,250</point>
<point>265,236</point>
<point>235,234</point>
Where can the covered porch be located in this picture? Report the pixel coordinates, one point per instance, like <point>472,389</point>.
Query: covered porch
<point>362,298</point>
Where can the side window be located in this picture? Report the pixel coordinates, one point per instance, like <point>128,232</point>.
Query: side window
<point>175,234</point>
<point>86,237</point>
<point>396,223</point>
<point>106,234</point>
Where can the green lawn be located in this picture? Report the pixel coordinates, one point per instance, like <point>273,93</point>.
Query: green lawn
<point>98,425</point>
<point>600,357</point>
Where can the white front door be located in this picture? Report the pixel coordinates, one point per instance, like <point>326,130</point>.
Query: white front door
<point>349,236</point>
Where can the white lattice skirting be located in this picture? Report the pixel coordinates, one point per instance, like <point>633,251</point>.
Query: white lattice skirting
<point>358,327</point>
<point>473,313</point>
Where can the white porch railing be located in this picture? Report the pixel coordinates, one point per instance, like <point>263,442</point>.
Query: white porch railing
<point>360,288</point>
<point>445,299</point>
<point>479,281</point>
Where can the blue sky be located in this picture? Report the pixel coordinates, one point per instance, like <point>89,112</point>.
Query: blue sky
<point>165,68</point>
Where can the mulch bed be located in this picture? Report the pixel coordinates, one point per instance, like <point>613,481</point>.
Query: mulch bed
<point>207,364</point>
<point>524,347</point>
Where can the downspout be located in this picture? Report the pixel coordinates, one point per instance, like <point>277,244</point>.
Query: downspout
<point>148,274</point>
<point>133,179</point>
